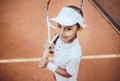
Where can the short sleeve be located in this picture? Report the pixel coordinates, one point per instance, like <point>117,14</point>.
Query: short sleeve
<point>73,65</point>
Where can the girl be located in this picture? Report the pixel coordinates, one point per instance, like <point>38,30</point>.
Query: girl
<point>67,51</point>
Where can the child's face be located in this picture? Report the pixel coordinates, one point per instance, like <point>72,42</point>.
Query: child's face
<point>67,33</point>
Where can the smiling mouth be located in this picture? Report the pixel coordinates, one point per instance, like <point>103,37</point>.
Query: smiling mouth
<point>63,37</point>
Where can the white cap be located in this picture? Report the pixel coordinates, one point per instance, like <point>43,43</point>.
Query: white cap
<point>68,17</point>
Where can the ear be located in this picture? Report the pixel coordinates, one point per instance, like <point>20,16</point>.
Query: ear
<point>79,29</point>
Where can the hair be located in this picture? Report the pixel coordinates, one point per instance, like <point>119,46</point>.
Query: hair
<point>79,10</point>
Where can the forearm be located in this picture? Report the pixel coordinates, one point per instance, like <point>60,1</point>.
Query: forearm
<point>52,67</point>
<point>62,72</point>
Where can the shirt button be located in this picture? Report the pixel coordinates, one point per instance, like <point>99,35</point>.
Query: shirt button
<point>56,49</point>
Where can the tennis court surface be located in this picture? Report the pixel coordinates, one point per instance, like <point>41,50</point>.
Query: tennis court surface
<point>110,9</point>
<point>23,32</point>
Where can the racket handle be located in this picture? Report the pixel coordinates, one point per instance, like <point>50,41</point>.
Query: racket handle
<point>46,52</point>
<point>44,57</point>
<point>54,39</point>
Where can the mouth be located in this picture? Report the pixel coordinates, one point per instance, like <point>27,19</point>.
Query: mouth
<point>66,39</point>
<point>63,37</point>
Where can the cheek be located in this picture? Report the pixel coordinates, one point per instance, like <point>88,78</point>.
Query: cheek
<point>71,33</point>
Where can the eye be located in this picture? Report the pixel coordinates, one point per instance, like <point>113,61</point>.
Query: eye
<point>58,26</point>
<point>69,28</point>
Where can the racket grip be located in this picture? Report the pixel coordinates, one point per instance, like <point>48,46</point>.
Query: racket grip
<point>46,52</point>
<point>54,39</point>
<point>44,58</point>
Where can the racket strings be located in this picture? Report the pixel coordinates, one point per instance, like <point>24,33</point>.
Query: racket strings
<point>81,3</point>
<point>49,25</point>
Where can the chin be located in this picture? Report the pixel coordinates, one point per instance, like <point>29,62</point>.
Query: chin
<point>65,40</point>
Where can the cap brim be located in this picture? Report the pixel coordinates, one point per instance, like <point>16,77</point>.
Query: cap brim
<point>63,21</point>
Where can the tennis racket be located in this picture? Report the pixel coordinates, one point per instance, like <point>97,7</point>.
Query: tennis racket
<point>50,41</point>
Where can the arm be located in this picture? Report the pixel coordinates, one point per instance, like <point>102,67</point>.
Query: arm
<point>52,67</point>
<point>71,68</point>
<point>49,47</point>
<point>63,72</point>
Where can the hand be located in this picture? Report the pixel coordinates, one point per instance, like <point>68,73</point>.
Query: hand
<point>49,46</point>
<point>43,63</point>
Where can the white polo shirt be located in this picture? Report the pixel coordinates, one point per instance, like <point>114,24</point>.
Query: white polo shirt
<point>67,56</point>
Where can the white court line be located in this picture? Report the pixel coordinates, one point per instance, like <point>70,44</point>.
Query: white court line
<point>38,59</point>
<point>101,56</point>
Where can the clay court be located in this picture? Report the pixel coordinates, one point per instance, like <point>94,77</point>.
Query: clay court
<point>23,32</point>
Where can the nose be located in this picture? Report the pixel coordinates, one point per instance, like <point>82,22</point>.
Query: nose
<point>62,32</point>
